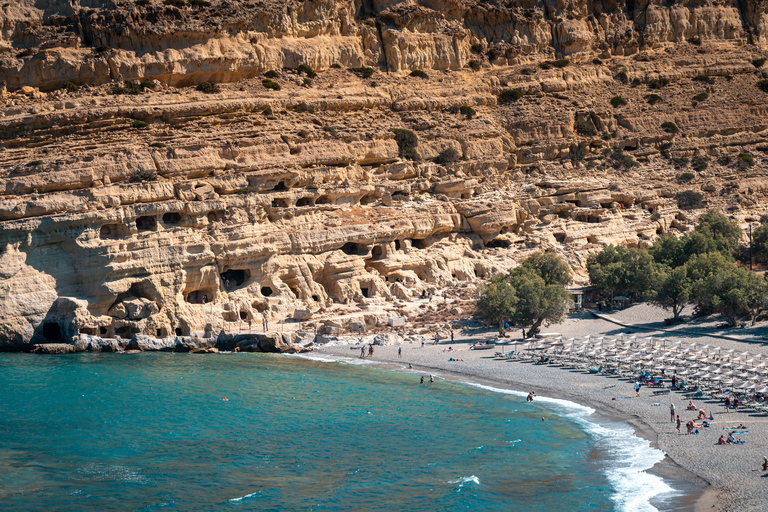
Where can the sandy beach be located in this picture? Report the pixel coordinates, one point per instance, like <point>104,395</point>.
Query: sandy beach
<point>731,474</point>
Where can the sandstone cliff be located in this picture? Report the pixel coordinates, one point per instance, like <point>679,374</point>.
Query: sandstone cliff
<point>156,209</point>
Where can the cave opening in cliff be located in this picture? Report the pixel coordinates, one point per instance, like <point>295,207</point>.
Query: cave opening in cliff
<point>368,199</point>
<point>113,231</point>
<point>146,223</point>
<point>171,218</point>
<point>266,291</point>
<point>497,244</point>
<point>364,291</point>
<point>178,331</point>
<point>235,277</point>
<point>200,297</point>
<point>304,201</point>
<point>354,249</point>
<point>215,216</point>
<point>591,239</point>
<point>159,333</point>
<point>295,291</point>
<point>243,315</point>
<point>102,330</point>
<point>316,298</point>
<point>324,200</point>
<point>51,331</point>
<point>279,203</point>
<point>560,237</point>
<point>280,187</point>
<point>377,253</point>
<point>419,243</point>
<point>397,245</point>
<point>88,330</point>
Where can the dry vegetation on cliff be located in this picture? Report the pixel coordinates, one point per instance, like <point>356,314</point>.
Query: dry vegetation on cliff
<point>137,201</point>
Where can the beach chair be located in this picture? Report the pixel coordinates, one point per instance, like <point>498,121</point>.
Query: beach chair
<point>596,370</point>
<point>661,392</point>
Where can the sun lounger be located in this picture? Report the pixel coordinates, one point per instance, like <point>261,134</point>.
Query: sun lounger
<point>661,392</point>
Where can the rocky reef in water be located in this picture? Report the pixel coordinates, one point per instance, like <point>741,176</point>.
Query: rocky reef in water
<point>135,206</point>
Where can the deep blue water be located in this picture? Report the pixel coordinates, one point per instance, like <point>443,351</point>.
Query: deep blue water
<point>152,432</point>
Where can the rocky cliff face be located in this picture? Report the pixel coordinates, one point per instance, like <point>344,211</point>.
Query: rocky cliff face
<point>155,209</point>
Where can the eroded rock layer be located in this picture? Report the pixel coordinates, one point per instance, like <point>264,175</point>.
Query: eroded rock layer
<point>170,211</point>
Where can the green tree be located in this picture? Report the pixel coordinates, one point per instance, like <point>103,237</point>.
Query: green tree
<point>669,251</point>
<point>538,302</point>
<point>736,292</point>
<point>621,270</point>
<point>496,302</point>
<point>700,268</point>
<point>725,233</point>
<point>673,289</point>
<point>760,244</point>
<point>550,267</point>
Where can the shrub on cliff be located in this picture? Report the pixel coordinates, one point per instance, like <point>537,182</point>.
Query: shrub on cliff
<point>686,176</point>
<point>700,163</point>
<point>758,63</point>
<point>763,85</point>
<point>561,63</point>
<point>477,48</point>
<point>475,65</point>
<point>669,127</point>
<point>621,160</point>
<point>362,72</point>
<point>175,3</point>
<point>653,99</point>
<point>419,73</point>
<point>269,84</point>
<point>701,97</point>
<point>658,83</point>
<point>139,124</point>
<point>467,112</point>
<point>330,130</point>
<point>690,200</point>
<point>622,77</point>
<point>407,141</point>
<point>618,101</point>
<point>272,74</point>
<point>704,79</point>
<point>510,95</point>
<point>208,88</point>
<point>71,87</point>
<point>159,145</point>
<point>103,48</point>
<point>745,159</point>
<point>303,68</point>
<point>493,54</point>
<point>447,156</point>
<point>585,128</point>
<point>140,175</point>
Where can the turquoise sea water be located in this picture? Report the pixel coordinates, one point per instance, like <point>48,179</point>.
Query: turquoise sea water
<point>153,432</point>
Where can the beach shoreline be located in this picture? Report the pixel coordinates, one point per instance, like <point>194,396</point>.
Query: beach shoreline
<point>718,478</point>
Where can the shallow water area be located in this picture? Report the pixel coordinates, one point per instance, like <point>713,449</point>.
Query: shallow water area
<point>157,431</point>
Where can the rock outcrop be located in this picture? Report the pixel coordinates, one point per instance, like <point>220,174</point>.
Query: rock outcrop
<point>132,213</point>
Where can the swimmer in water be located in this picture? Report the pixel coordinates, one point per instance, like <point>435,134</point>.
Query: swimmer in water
<point>431,378</point>
<point>422,379</point>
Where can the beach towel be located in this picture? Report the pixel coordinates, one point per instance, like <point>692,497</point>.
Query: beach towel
<point>742,432</point>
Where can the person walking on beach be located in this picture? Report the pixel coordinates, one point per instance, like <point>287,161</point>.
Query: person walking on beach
<point>727,403</point>
<point>370,350</point>
<point>678,424</point>
<point>422,342</point>
<point>637,387</point>
<point>362,352</point>
<point>672,412</point>
<point>451,335</point>
<point>399,352</point>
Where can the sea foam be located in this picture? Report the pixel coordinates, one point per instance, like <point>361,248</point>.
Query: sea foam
<point>630,456</point>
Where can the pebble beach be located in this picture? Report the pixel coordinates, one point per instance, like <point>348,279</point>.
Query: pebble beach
<point>730,475</point>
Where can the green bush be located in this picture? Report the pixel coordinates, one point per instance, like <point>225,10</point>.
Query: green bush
<point>175,3</point>
<point>158,145</point>
<point>247,190</point>
<point>330,130</point>
<point>656,216</point>
<point>140,175</point>
<point>658,83</point>
<point>585,128</point>
<point>618,101</point>
<point>303,107</point>
<point>467,112</point>
<point>758,63</point>
<point>686,176</point>
<point>763,85</point>
<point>701,96</point>
<point>700,163</point>
<point>621,160</point>
<point>208,88</point>
<point>272,74</point>
<point>724,159</point>
<point>704,79</point>
<point>132,87</point>
<point>267,111</point>
<point>362,72</point>
<point>407,141</point>
<point>336,65</point>
<point>510,95</point>
<point>607,136</point>
<point>477,48</point>
<point>419,73</point>
<point>307,82</point>
<point>561,63</point>
<point>746,159</point>
<point>695,40</point>
<point>680,162</point>
<point>269,84</point>
<point>622,77</point>
<point>653,99</point>
<point>447,156</point>
<point>103,48</point>
<point>139,124</point>
<point>669,127</point>
<point>303,68</point>
<point>71,87</point>
<point>493,54</point>
<point>475,65</point>
<point>690,200</point>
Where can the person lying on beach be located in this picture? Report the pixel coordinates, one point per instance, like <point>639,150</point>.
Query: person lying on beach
<point>741,426</point>
<point>452,359</point>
